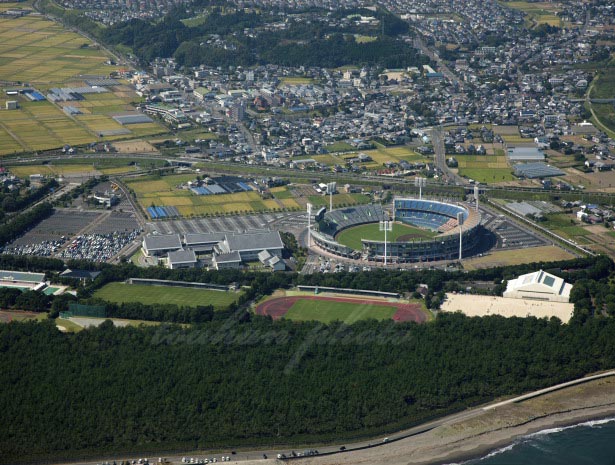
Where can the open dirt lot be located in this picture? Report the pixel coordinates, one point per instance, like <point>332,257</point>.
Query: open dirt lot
<point>485,305</point>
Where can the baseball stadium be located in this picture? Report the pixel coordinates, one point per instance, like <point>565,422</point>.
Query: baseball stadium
<point>420,230</point>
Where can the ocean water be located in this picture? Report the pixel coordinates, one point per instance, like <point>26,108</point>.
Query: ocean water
<point>589,443</point>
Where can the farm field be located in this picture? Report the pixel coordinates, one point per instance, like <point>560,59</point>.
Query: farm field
<point>352,237</point>
<point>165,192</point>
<point>42,53</point>
<point>538,12</point>
<point>381,155</point>
<point>182,296</point>
<point>484,168</point>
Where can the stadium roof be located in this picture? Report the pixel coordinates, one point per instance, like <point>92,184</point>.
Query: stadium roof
<point>537,170</point>
<point>255,241</point>
<point>525,154</point>
<point>181,256</point>
<point>162,242</point>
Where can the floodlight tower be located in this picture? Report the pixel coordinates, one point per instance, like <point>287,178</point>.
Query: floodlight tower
<point>460,221</point>
<point>331,188</point>
<point>476,195</point>
<point>309,215</point>
<point>420,183</point>
<point>385,225</point>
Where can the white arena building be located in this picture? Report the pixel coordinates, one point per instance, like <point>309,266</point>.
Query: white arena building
<point>539,285</point>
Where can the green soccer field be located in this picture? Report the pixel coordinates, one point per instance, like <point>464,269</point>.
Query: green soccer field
<point>182,296</point>
<point>351,237</point>
<point>327,311</point>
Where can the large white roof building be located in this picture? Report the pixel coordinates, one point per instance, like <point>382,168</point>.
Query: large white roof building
<point>539,285</point>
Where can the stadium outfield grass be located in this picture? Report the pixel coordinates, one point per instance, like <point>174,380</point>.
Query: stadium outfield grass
<point>351,237</point>
<point>329,311</point>
<point>182,296</point>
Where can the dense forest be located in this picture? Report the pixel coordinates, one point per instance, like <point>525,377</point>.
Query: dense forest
<point>232,378</point>
<point>231,383</point>
<point>303,43</point>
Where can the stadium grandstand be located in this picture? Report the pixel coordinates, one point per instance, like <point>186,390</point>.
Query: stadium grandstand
<point>438,217</point>
<point>22,280</point>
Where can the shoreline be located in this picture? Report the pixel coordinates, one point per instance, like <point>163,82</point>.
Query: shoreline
<point>486,431</point>
<point>484,450</point>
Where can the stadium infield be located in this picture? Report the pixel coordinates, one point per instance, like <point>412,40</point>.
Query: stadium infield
<point>351,237</point>
<point>346,309</point>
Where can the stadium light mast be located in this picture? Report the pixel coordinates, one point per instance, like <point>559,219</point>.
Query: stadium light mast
<point>420,183</point>
<point>309,215</point>
<point>385,225</point>
<point>476,195</point>
<point>460,221</point>
<point>331,188</point>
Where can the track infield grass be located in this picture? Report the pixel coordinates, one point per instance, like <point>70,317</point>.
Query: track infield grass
<point>182,296</point>
<point>351,237</point>
<point>328,311</point>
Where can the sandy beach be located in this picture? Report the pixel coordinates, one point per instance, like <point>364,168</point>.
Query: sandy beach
<point>488,430</point>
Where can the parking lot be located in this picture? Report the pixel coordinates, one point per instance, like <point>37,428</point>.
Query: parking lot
<point>509,234</point>
<point>75,234</point>
<point>290,222</point>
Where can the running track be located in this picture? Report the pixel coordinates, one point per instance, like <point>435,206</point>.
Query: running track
<point>277,308</point>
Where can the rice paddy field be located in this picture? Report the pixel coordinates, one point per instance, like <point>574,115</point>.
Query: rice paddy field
<point>43,54</point>
<point>341,152</point>
<point>487,169</point>
<point>165,192</point>
<point>538,12</point>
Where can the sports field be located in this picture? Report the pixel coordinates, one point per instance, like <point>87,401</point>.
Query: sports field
<point>182,296</point>
<point>348,309</point>
<point>351,237</point>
